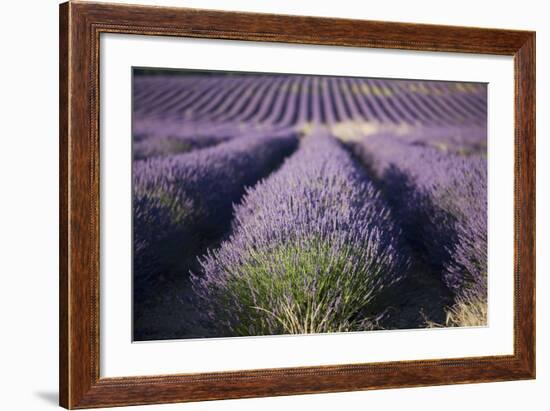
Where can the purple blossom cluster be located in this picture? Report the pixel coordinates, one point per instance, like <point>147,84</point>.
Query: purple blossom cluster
<point>311,247</point>
<point>183,199</point>
<point>440,200</point>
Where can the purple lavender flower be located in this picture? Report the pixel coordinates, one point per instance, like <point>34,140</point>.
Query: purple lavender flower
<point>184,199</point>
<point>440,199</point>
<point>312,246</point>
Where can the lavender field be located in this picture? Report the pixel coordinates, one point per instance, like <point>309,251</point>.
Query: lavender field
<point>268,204</point>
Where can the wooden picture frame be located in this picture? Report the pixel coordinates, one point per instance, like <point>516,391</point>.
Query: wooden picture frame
<point>80,27</point>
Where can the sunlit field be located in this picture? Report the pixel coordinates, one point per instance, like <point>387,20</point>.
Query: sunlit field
<point>267,204</point>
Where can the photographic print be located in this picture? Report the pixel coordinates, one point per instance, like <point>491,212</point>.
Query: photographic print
<point>271,204</point>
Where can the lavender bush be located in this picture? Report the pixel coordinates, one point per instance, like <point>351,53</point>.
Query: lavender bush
<point>312,246</point>
<point>181,199</point>
<point>440,199</point>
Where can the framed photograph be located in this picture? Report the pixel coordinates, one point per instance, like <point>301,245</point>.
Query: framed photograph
<point>258,205</point>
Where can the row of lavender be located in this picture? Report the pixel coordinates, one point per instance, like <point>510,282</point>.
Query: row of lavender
<point>317,243</point>
<point>440,201</point>
<point>288,100</point>
<point>311,247</point>
<point>185,200</point>
<point>180,113</point>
